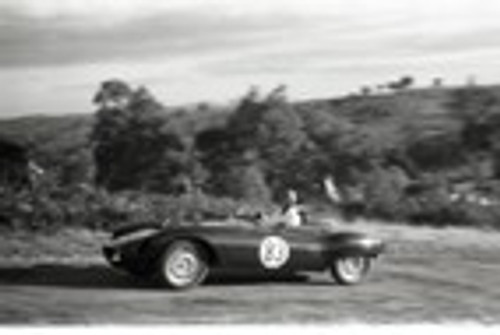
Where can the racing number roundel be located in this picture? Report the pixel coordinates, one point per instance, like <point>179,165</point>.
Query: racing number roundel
<point>274,252</point>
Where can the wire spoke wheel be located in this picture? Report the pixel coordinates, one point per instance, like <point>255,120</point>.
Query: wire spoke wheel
<point>183,265</point>
<point>349,270</point>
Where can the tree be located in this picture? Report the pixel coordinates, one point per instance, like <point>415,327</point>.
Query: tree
<point>263,140</point>
<point>214,147</point>
<point>248,182</point>
<point>113,94</point>
<point>365,91</point>
<point>269,133</point>
<point>324,155</point>
<point>437,82</point>
<point>406,82</point>
<point>402,83</point>
<point>131,148</point>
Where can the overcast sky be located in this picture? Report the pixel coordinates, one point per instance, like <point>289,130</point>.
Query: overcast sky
<point>54,53</point>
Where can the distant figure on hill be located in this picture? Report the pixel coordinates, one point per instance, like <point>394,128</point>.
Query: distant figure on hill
<point>332,191</point>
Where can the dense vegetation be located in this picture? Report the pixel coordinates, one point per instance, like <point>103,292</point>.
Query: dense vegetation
<point>415,155</point>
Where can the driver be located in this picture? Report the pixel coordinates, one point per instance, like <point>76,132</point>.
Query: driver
<point>292,212</point>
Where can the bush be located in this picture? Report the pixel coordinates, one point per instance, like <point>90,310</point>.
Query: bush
<point>433,206</point>
<point>48,209</point>
<point>138,207</point>
<point>385,193</point>
<point>475,215</point>
<point>391,197</point>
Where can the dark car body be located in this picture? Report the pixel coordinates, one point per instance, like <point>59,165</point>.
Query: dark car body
<point>240,247</point>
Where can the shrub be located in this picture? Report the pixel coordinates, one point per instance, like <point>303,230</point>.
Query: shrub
<point>475,215</point>
<point>431,207</point>
<point>48,208</point>
<point>51,208</point>
<point>137,207</point>
<point>385,193</point>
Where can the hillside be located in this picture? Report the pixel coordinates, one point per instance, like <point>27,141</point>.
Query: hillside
<point>422,110</point>
<point>48,133</point>
<point>64,134</point>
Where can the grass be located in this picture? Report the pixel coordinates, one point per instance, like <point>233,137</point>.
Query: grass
<point>72,245</point>
<point>409,236</point>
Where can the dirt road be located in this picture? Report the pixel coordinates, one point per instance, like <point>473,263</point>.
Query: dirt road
<point>426,276</point>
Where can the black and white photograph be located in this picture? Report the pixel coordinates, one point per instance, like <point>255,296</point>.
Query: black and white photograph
<point>249,163</point>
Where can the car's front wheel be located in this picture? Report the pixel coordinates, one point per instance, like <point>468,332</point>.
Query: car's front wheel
<point>183,265</point>
<point>350,270</point>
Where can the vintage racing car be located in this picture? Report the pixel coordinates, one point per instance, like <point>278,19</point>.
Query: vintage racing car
<point>181,257</point>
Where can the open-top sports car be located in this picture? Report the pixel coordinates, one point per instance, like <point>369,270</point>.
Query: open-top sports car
<point>181,257</point>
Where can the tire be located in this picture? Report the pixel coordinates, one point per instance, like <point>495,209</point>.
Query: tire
<point>183,265</point>
<point>350,270</point>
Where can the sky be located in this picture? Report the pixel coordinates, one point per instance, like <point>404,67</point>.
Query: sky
<point>55,53</point>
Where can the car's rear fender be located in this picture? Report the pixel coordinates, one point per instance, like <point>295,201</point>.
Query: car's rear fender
<point>354,244</point>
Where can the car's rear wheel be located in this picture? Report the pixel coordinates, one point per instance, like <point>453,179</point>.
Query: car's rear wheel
<point>183,265</point>
<point>350,270</point>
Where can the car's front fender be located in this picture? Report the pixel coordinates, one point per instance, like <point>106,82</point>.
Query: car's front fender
<point>154,248</point>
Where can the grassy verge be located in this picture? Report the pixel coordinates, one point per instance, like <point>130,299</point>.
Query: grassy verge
<point>446,236</point>
<point>65,245</point>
